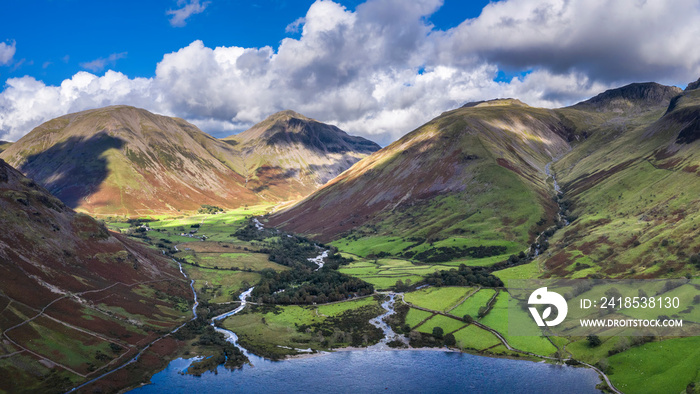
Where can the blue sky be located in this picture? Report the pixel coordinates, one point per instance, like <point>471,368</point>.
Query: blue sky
<point>376,68</point>
<point>61,35</point>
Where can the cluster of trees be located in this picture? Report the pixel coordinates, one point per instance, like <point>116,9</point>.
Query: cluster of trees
<point>210,209</point>
<point>292,251</point>
<point>448,253</point>
<point>464,276</point>
<point>250,232</point>
<point>308,287</point>
<point>138,222</point>
<point>351,327</point>
<point>436,339</point>
<point>695,260</point>
<point>228,354</point>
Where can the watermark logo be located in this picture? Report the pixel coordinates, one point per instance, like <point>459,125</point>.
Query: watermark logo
<point>543,297</point>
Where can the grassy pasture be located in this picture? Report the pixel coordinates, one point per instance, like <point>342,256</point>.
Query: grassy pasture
<point>437,298</point>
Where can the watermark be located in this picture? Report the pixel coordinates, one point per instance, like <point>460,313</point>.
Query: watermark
<point>582,307</point>
<point>543,297</point>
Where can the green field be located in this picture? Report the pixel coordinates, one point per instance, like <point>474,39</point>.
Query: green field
<point>218,285</point>
<point>416,316</point>
<point>526,271</point>
<point>271,330</point>
<point>475,338</point>
<point>447,324</point>
<point>437,298</point>
<point>383,273</point>
<point>497,319</point>
<point>667,366</point>
<point>472,304</point>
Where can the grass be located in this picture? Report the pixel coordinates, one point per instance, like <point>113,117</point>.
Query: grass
<point>383,273</point>
<point>526,271</point>
<point>472,304</point>
<point>416,316</point>
<point>666,366</point>
<point>497,319</point>
<point>437,298</point>
<point>473,337</point>
<point>220,286</point>
<point>446,323</point>
<point>67,346</point>
<point>293,326</point>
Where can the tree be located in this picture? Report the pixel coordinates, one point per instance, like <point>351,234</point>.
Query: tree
<point>438,332</point>
<point>482,312</point>
<point>450,339</point>
<point>468,319</point>
<point>593,340</point>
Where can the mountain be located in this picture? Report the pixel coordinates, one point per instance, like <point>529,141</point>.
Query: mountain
<point>75,299</point>
<point>287,156</point>
<point>4,145</point>
<point>476,173</point>
<point>125,160</point>
<point>633,189</point>
<point>636,97</point>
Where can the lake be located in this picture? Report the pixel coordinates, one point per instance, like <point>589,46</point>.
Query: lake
<point>375,371</point>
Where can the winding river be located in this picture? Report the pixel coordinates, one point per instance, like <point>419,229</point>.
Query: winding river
<point>375,369</point>
<point>230,335</point>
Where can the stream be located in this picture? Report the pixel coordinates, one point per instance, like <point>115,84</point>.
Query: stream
<point>560,214</point>
<point>389,334</point>
<point>318,260</point>
<point>372,371</point>
<point>136,357</point>
<point>230,335</point>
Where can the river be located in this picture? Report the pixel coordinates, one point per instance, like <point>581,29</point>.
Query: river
<point>369,370</point>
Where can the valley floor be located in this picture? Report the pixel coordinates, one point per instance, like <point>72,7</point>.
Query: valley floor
<point>472,319</point>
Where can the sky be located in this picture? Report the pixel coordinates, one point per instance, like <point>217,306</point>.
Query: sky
<point>375,68</point>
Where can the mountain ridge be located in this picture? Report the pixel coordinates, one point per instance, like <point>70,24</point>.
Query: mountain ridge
<point>125,160</point>
<point>292,150</point>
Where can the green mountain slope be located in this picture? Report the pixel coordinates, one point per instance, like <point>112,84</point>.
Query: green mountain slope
<point>75,300</point>
<point>634,188</point>
<point>287,156</point>
<point>4,145</point>
<point>473,176</point>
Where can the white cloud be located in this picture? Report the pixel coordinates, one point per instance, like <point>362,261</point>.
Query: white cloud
<point>295,26</point>
<point>610,40</point>
<point>383,69</point>
<point>189,8</point>
<point>100,64</point>
<point>7,51</point>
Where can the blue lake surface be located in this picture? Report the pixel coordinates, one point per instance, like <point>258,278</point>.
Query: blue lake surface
<point>374,371</point>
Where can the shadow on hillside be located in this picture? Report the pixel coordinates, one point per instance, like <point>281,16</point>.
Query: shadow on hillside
<point>72,170</point>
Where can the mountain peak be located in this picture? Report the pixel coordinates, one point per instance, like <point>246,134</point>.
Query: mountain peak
<point>693,85</point>
<point>288,113</point>
<point>125,159</point>
<point>288,148</point>
<point>635,96</point>
<point>495,102</point>
<point>287,128</point>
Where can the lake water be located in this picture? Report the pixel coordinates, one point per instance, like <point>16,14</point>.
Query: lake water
<point>380,371</point>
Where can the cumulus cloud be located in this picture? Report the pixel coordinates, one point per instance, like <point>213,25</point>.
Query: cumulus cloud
<point>189,8</point>
<point>100,64</point>
<point>7,51</point>
<point>609,40</point>
<point>383,69</point>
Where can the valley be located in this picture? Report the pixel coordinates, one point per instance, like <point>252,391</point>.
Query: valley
<point>410,247</point>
